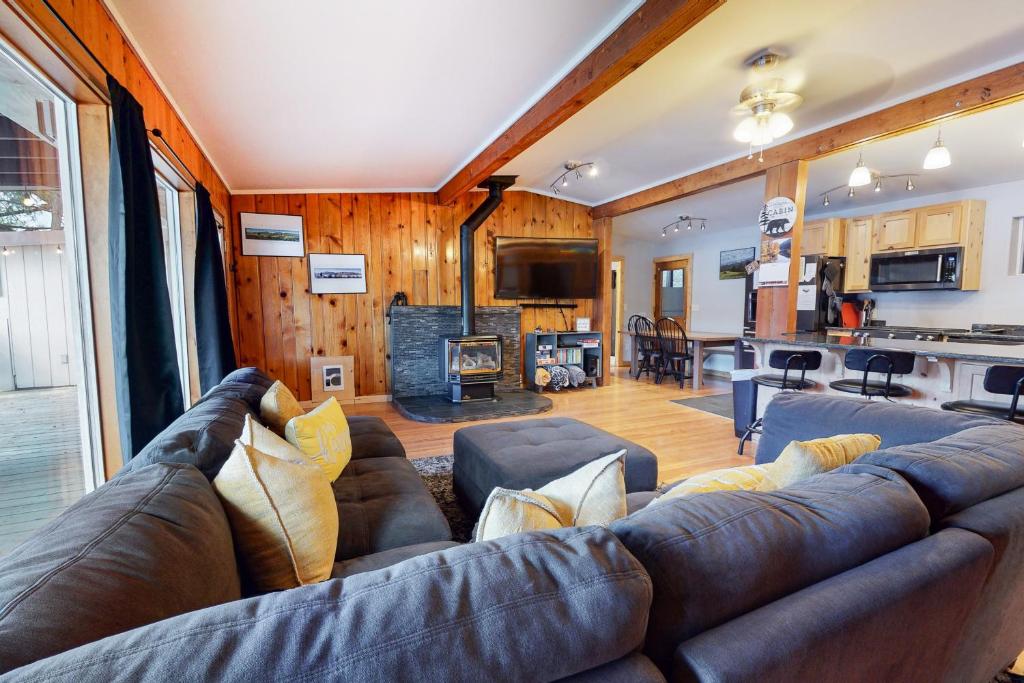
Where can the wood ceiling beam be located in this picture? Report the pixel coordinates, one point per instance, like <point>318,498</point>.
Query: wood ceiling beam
<point>653,26</point>
<point>997,88</point>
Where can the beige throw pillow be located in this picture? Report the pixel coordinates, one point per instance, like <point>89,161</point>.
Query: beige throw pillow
<point>278,406</point>
<point>593,494</point>
<point>283,515</point>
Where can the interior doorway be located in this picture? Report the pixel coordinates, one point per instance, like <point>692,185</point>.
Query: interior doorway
<point>618,282</point>
<point>672,289</point>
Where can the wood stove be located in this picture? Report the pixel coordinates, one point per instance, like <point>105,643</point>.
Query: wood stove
<point>470,365</point>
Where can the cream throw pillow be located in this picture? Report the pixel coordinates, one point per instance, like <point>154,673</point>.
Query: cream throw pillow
<point>283,516</point>
<point>593,494</point>
<point>322,434</point>
<point>802,459</point>
<point>278,406</point>
<point>748,478</point>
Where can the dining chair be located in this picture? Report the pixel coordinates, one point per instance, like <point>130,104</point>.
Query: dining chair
<point>675,351</point>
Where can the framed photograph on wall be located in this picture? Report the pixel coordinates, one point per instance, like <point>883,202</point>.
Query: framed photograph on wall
<point>332,376</point>
<point>271,234</point>
<point>337,273</point>
<point>732,263</point>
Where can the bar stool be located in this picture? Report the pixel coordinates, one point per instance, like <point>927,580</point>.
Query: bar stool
<point>1006,380</point>
<point>786,361</point>
<point>867,361</point>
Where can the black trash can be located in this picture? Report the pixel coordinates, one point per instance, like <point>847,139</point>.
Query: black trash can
<point>744,400</point>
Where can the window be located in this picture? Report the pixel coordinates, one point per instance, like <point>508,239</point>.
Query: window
<point>1017,247</point>
<point>170,225</point>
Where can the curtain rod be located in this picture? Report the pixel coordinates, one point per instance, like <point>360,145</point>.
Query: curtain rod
<point>78,39</point>
<point>92,55</point>
<point>159,134</point>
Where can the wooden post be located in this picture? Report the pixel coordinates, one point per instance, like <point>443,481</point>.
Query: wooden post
<point>603,305</point>
<point>776,306</point>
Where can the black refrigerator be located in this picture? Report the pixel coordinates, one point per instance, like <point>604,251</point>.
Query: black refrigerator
<point>819,295</point>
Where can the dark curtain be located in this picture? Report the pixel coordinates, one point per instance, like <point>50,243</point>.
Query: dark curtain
<point>213,327</point>
<point>145,360</point>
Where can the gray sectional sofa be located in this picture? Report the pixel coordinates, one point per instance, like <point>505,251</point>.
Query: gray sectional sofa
<point>902,566</point>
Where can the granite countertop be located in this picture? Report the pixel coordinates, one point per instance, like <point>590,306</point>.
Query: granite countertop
<point>988,353</point>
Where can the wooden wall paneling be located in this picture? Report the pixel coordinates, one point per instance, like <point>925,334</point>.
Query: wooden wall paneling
<point>411,244</point>
<point>248,302</point>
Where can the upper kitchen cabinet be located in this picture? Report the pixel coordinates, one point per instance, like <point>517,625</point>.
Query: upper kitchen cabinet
<point>858,253</point>
<point>824,237</point>
<point>894,231</point>
<point>940,225</point>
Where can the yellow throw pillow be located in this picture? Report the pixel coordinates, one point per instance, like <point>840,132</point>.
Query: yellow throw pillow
<point>748,478</point>
<point>278,406</point>
<point>802,459</point>
<point>323,435</point>
<point>593,494</point>
<point>283,516</point>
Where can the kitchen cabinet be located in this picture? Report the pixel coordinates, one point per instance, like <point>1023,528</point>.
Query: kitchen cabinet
<point>858,253</point>
<point>895,231</point>
<point>939,225</point>
<point>823,237</point>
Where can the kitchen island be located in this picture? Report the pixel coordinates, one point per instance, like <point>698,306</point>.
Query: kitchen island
<point>943,371</point>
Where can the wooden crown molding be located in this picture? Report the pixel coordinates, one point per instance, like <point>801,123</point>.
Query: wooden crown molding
<point>997,88</point>
<point>653,26</point>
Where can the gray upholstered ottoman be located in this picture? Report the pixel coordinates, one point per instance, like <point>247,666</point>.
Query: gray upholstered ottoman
<point>531,453</point>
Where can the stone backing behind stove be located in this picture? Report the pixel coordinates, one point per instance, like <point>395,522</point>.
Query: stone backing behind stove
<point>416,330</point>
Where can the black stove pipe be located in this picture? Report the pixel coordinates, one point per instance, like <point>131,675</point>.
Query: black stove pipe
<point>495,186</point>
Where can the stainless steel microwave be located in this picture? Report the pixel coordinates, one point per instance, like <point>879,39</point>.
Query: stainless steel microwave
<point>917,269</point>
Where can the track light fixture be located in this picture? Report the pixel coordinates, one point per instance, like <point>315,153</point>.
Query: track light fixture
<point>878,178</point>
<point>6,252</point>
<point>678,222</point>
<point>574,168</point>
<point>861,174</point>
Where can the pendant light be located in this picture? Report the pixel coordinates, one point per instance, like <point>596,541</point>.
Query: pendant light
<point>878,184</point>
<point>910,184</point>
<point>861,174</point>
<point>826,202</point>
<point>851,193</point>
<point>938,155</point>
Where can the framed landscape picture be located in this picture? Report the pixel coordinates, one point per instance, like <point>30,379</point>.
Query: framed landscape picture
<point>732,263</point>
<point>271,234</point>
<point>337,273</point>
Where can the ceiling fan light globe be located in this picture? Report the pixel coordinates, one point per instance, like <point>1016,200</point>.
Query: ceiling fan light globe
<point>744,131</point>
<point>779,124</point>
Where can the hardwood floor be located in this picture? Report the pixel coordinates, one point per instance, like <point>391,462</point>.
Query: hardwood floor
<point>686,441</point>
<point>40,460</point>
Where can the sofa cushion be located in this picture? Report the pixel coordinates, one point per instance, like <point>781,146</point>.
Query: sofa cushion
<point>746,478</point>
<point>800,416</point>
<point>371,438</point>
<point>386,558</point>
<point>203,437</point>
<point>994,631</point>
<point>958,471</point>
<point>527,454</point>
<point>323,435</point>
<point>896,618</point>
<point>715,556</point>
<point>802,459</point>
<point>470,613</point>
<point>143,547</point>
<point>634,668</point>
<point>383,504</point>
<point>278,406</point>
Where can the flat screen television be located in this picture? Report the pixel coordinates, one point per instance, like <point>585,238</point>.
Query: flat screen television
<point>551,268</point>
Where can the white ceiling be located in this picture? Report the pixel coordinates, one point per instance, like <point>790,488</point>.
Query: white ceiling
<point>986,149</point>
<point>357,94</point>
<point>671,116</point>
<point>399,94</point>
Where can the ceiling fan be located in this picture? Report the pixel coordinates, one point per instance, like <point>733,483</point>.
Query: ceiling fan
<point>764,107</point>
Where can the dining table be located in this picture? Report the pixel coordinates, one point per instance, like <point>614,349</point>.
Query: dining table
<point>699,341</point>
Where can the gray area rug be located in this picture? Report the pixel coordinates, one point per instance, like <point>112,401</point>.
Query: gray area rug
<point>717,405</point>
<point>436,472</point>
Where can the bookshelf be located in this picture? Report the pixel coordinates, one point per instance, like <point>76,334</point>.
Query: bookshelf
<point>582,349</point>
